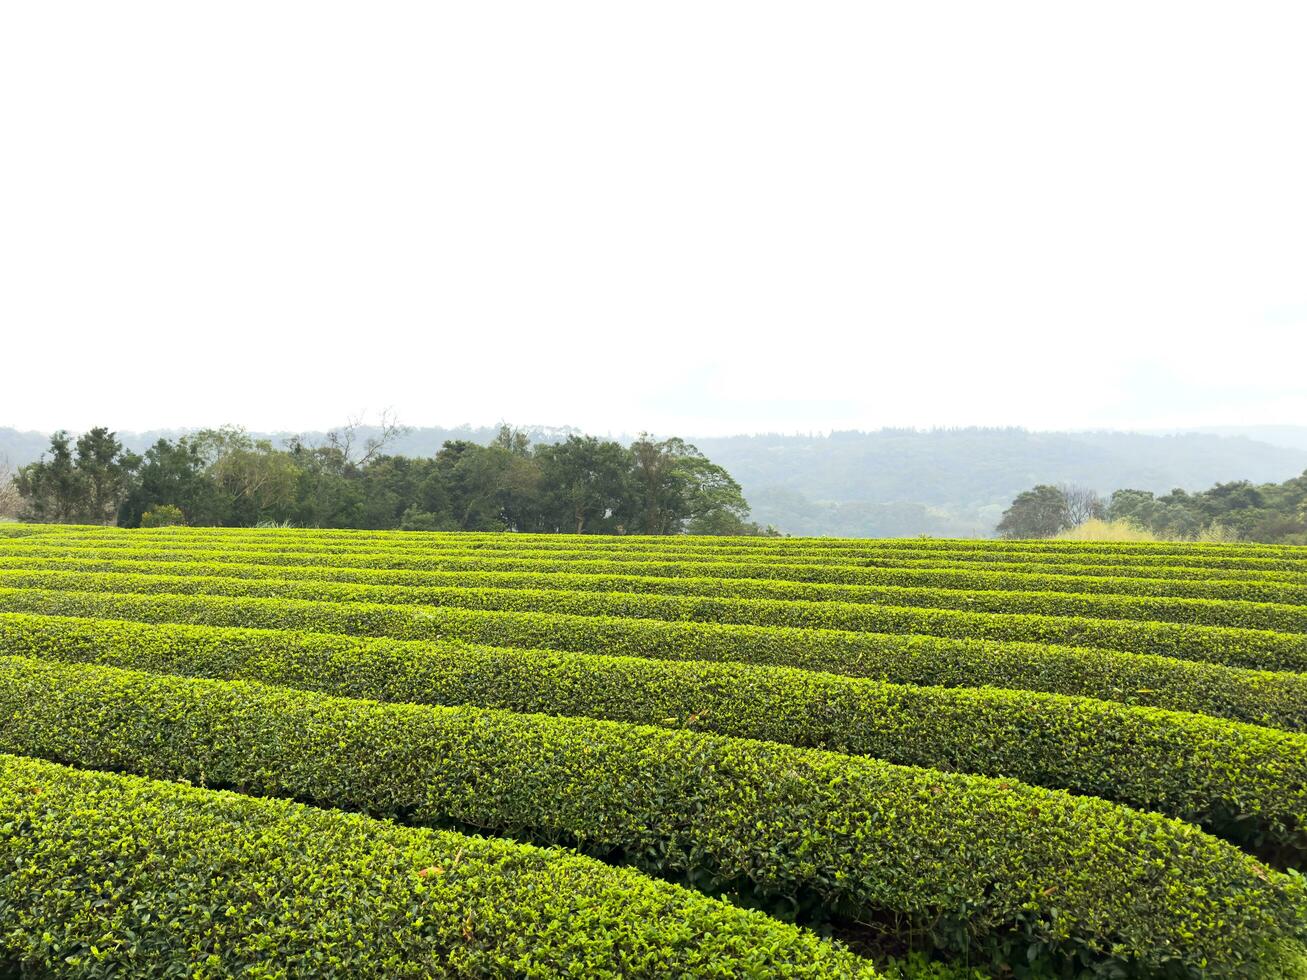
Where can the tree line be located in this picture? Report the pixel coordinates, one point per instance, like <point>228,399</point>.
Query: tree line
<point>1272,513</point>
<point>225,477</point>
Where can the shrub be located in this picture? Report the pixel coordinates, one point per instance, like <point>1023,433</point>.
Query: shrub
<point>165,515</point>
<point>969,861</point>
<point>918,588</point>
<point>1274,699</point>
<point>105,875</point>
<point>1242,782</point>
<point>1258,649</point>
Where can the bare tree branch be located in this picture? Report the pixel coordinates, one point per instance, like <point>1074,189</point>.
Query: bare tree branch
<point>1082,504</point>
<point>343,439</point>
<point>10,499</point>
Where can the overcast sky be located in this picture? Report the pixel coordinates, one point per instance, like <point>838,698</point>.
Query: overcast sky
<point>692,217</point>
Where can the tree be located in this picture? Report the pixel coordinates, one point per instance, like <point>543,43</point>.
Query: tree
<point>52,488</point>
<point>84,484</point>
<point>255,481</point>
<point>345,439</point>
<point>107,474</point>
<point>1082,504</point>
<point>513,441</point>
<point>10,499</point>
<point>715,502</point>
<point>174,474</point>
<point>1038,513</point>
<point>588,484</point>
<point>490,488</point>
<point>678,489</point>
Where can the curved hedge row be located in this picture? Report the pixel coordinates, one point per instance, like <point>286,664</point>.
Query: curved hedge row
<point>1052,870</point>
<point>1277,700</point>
<point>808,582</point>
<point>672,546</point>
<point>119,876</point>
<point>1182,573</point>
<point>1241,782</point>
<point>1258,649</point>
<point>792,567</point>
<point>1206,612</point>
<point>849,546</point>
<point>775,545</point>
<point>1239,584</point>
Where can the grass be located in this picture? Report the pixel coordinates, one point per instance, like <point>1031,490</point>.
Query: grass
<point>1101,530</point>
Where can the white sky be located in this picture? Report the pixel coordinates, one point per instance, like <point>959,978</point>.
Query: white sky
<point>694,217</point>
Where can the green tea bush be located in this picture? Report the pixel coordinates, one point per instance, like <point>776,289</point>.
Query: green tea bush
<point>1242,782</point>
<point>951,595</point>
<point>1277,700</point>
<point>967,860</point>
<point>807,582</point>
<point>165,515</point>
<point>113,876</point>
<point>1258,649</point>
<point>849,552</point>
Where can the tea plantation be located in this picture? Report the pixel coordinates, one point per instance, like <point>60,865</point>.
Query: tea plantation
<point>390,754</point>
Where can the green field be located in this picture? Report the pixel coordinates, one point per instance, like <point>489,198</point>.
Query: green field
<point>390,754</point>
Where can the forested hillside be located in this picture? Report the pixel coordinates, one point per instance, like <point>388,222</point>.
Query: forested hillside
<point>956,482</point>
<point>892,482</point>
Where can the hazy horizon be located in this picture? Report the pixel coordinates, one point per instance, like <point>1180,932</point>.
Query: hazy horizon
<point>371,422</point>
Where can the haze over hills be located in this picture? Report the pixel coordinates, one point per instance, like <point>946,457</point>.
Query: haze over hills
<point>900,482</point>
<point>1292,436</point>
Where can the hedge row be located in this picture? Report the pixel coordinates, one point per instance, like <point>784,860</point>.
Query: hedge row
<point>1258,649</point>
<point>1040,567</point>
<point>808,582</point>
<point>796,567</point>
<point>852,546</point>
<point>955,855</point>
<point>395,586</point>
<point>1241,782</point>
<point>1284,587</point>
<point>107,875</point>
<point>398,542</point>
<point>1277,700</point>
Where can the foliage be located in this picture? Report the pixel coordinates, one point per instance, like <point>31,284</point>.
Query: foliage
<point>1228,512</point>
<point>949,754</point>
<point>165,515</point>
<point>1231,645</point>
<point>1038,513</point>
<point>226,477</point>
<point>111,876</point>
<point>1099,529</point>
<point>426,586</point>
<point>1239,781</point>
<point>760,576</point>
<point>1272,512</point>
<point>1068,875</point>
<point>78,484</point>
<point>1267,698</point>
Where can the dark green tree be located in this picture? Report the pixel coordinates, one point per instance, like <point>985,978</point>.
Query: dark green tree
<point>81,484</point>
<point>678,489</point>
<point>107,473</point>
<point>52,488</point>
<point>174,474</point>
<point>1038,513</point>
<point>588,485</point>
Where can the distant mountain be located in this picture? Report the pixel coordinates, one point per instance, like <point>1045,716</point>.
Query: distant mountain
<point>1289,436</point>
<point>903,482</point>
<point>896,482</point>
